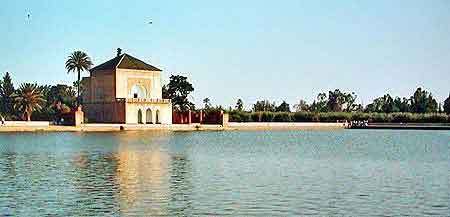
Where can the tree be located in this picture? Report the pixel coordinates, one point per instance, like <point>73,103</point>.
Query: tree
<point>61,93</point>
<point>165,92</point>
<point>302,106</point>
<point>349,102</point>
<point>335,101</point>
<point>358,108</point>
<point>387,104</point>
<point>401,105</point>
<point>78,61</point>
<point>320,104</point>
<point>384,104</point>
<point>6,92</point>
<point>422,102</point>
<point>447,105</point>
<point>263,105</point>
<point>339,101</point>
<point>178,91</point>
<point>283,107</point>
<point>28,99</point>
<point>207,103</point>
<point>77,86</point>
<point>240,105</point>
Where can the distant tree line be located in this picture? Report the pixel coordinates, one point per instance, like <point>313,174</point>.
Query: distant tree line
<point>332,106</point>
<point>421,101</point>
<point>337,105</point>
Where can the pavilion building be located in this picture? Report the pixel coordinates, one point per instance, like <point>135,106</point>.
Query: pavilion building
<point>125,90</point>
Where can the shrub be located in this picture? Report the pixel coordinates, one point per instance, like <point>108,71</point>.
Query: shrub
<point>240,116</point>
<point>434,118</point>
<point>254,117</point>
<point>267,117</point>
<point>303,116</point>
<point>398,117</point>
<point>360,116</point>
<point>282,117</point>
<point>402,117</point>
<point>334,116</point>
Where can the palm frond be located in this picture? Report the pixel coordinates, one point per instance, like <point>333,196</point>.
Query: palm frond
<point>78,61</point>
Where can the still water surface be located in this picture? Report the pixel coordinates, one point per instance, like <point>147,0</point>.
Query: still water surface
<point>277,173</point>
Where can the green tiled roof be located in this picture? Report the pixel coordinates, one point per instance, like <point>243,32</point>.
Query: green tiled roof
<point>125,61</point>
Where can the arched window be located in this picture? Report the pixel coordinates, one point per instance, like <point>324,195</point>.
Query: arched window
<point>148,117</point>
<point>157,117</point>
<point>137,91</point>
<point>139,116</point>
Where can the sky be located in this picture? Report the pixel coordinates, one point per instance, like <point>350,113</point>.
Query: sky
<point>253,50</point>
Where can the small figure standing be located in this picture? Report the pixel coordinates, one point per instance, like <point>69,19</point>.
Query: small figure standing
<point>3,121</point>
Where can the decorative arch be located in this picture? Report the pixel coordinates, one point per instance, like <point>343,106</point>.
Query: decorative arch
<point>157,117</point>
<point>137,91</point>
<point>149,116</point>
<point>139,116</point>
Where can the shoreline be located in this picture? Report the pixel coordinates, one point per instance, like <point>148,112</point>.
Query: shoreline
<point>402,126</point>
<point>45,127</point>
<point>285,125</point>
<point>12,127</point>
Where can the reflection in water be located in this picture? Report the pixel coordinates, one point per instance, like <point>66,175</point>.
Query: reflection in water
<point>142,175</point>
<point>325,173</point>
<point>180,186</point>
<point>92,176</point>
<point>8,172</point>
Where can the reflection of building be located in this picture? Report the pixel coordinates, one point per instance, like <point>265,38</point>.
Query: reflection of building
<point>142,173</point>
<point>125,90</point>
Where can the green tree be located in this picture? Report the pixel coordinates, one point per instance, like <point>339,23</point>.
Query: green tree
<point>283,107</point>
<point>59,99</point>
<point>28,99</point>
<point>165,92</point>
<point>207,103</point>
<point>61,93</point>
<point>447,105</point>
<point>178,91</point>
<point>302,106</point>
<point>78,86</point>
<point>320,104</point>
<point>263,105</point>
<point>387,104</point>
<point>423,102</point>
<point>6,92</point>
<point>401,105</point>
<point>358,108</point>
<point>239,105</point>
<point>78,61</point>
<point>340,101</point>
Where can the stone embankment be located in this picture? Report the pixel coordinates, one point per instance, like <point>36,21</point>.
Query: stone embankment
<point>22,126</point>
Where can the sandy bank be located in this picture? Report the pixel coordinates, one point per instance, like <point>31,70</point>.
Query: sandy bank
<point>33,127</point>
<point>109,128</point>
<point>283,126</point>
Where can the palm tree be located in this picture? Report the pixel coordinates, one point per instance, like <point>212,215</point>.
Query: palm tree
<point>28,98</point>
<point>78,61</point>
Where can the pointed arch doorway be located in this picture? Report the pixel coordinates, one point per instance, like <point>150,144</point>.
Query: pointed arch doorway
<point>139,116</point>
<point>157,117</point>
<point>148,117</point>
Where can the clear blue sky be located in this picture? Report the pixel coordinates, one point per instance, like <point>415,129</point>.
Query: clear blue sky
<point>249,49</point>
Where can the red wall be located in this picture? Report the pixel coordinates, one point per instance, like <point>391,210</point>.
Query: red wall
<point>113,112</point>
<point>214,117</point>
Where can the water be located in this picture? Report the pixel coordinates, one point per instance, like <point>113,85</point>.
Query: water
<point>277,173</point>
